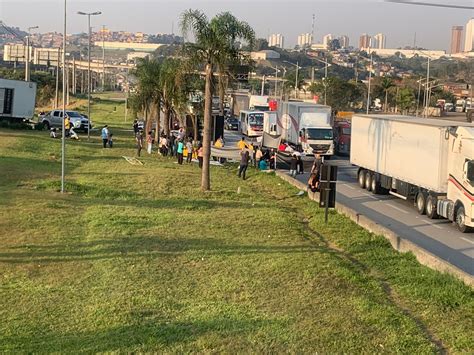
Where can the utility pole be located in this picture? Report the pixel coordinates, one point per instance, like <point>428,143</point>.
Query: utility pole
<point>103,58</point>
<point>296,80</point>
<point>89,14</point>
<point>27,54</point>
<point>262,91</point>
<point>63,132</point>
<point>427,104</point>
<point>56,96</point>
<point>370,79</point>
<point>418,97</point>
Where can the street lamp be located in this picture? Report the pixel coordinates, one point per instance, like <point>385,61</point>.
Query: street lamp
<point>326,66</point>
<point>296,79</point>
<point>27,54</point>
<point>63,132</point>
<point>89,14</point>
<point>370,79</point>
<point>276,79</point>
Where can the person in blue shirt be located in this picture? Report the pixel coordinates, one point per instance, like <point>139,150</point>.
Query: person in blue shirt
<point>262,164</point>
<point>105,135</point>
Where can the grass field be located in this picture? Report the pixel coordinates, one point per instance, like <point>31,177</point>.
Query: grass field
<point>136,258</point>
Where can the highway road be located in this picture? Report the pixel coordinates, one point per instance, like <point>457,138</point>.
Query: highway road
<point>439,237</point>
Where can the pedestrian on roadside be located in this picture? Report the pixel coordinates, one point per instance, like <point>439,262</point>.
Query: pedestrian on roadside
<point>105,135</point>
<point>317,164</point>
<point>164,146</point>
<point>241,144</point>
<point>139,141</point>
<point>299,165</point>
<point>135,128</point>
<point>258,156</point>
<point>171,140</point>
<point>189,146</point>
<point>293,165</point>
<point>67,125</point>
<point>149,142</point>
<point>179,151</point>
<point>244,163</point>
<point>111,140</point>
<point>200,154</point>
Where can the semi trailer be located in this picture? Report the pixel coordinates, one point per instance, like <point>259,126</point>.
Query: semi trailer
<point>17,99</point>
<point>428,161</point>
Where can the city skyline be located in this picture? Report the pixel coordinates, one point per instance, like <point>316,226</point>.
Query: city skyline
<point>362,17</point>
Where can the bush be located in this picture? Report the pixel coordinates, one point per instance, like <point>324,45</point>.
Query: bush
<point>14,125</point>
<point>39,126</point>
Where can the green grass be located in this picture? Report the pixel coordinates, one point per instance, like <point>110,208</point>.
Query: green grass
<point>136,258</point>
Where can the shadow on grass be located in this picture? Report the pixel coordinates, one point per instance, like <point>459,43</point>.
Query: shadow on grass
<point>133,247</point>
<point>149,334</point>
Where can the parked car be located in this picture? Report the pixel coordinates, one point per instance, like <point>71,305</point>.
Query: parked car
<point>55,119</point>
<point>232,124</point>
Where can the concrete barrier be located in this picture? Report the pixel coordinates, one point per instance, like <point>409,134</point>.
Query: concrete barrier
<point>398,242</point>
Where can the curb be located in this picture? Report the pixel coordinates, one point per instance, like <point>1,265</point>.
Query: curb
<point>398,242</point>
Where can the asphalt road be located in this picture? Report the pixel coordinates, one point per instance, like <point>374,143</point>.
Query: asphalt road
<point>439,237</point>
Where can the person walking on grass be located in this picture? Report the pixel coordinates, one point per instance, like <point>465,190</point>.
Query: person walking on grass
<point>189,147</point>
<point>135,128</point>
<point>200,154</point>
<point>67,125</point>
<point>258,156</point>
<point>111,140</point>
<point>179,151</point>
<point>149,142</point>
<point>244,163</point>
<point>105,136</point>
<point>139,140</point>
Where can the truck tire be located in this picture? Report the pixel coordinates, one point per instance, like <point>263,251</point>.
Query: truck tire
<point>368,181</point>
<point>431,207</point>
<point>361,178</point>
<point>469,115</point>
<point>461,220</point>
<point>420,203</point>
<point>375,186</point>
<point>46,125</point>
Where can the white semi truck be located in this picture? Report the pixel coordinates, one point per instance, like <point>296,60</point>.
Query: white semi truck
<point>307,126</point>
<point>17,99</point>
<point>429,161</point>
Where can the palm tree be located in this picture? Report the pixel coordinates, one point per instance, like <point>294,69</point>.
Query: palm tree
<point>215,44</point>
<point>386,84</point>
<point>149,92</point>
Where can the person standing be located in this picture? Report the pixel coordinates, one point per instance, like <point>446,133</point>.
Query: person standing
<point>179,151</point>
<point>244,163</point>
<point>317,164</point>
<point>135,128</point>
<point>293,165</point>
<point>67,125</point>
<point>200,153</point>
<point>258,156</point>
<point>189,146</point>
<point>139,140</point>
<point>171,143</point>
<point>149,143</point>
<point>105,135</point>
<point>241,144</point>
<point>111,141</point>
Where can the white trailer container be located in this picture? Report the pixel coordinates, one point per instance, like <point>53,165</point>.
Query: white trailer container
<point>17,99</point>
<point>307,126</point>
<point>427,160</point>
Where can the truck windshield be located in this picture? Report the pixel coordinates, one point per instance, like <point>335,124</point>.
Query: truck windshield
<point>256,119</point>
<point>319,133</point>
<point>346,131</point>
<point>470,171</point>
<point>73,114</point>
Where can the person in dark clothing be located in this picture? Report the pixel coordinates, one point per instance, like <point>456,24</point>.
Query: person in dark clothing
<point>293,165</point>
<point>135,127</point>
<point>244,163</point>
<point>313,182</point>
<point>139,140</point>
<point>299,165</point>
<point>317,164</point>
<point>171,145</point>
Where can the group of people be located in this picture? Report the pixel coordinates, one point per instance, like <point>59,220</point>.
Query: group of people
<point>262,159</point>
<point>68,130</point>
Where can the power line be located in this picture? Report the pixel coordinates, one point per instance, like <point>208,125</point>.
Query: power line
<point>409,2</point>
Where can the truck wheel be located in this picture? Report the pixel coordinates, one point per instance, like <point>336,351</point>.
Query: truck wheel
<point>375,186</point>
<point>361,178</point>
<point>368,181</point>
<point>461,220</point>
<point>46,125</point>
<point>420,203</point>
<point>431,207</point>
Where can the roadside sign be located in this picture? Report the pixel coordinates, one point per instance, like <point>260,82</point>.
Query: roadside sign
<point>327,196</point>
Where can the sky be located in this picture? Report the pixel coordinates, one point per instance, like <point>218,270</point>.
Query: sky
<point>398,22</point>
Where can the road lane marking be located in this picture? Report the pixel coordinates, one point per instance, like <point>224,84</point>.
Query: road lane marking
<point>434,225</point>
<point>467,240</point>
<point>349,186</point>
<point>397,208</point>
<point>369,195</point>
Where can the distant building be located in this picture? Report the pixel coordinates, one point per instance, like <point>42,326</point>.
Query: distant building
<point>344,41</point>
<point>379,41</point>
<point>409,53</point>
<point>364,41</point>
<point>133,56</point>
<point>276,40</point>
<point>327,40</point>
<point>264,55</point>
<point>139,47</point>
<point>469,41</point>
<point>456,36</point>
<point>305,40</point>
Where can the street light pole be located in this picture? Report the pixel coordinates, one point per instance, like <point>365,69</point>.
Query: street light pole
<point>89,14</point>
<point>296,80</point>
<point>63,132</point>
<point>427,103</point>
<point>27,54</point>
<point>370,79</point>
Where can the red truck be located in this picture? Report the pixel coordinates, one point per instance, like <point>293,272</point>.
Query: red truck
<point>342,137</point>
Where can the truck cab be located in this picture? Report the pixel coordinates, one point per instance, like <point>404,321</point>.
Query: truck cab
<point>342,137</point>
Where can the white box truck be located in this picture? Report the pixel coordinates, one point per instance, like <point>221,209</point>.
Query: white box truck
<point>308,127</point>
<point>17,99</point>
<point>429,161</point>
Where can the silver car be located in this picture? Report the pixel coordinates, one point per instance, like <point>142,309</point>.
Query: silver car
<point>55,119</point>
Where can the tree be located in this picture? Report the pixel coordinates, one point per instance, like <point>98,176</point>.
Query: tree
<point>341,94</point>
<point>215,43</point>
<point>334,45</point>
<point>405,99</point>
<point>386,84</point>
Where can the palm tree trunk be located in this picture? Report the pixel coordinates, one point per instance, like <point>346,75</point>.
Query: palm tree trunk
<point>386,101</point>
<point>157,132</point>
<point>221,94</point>
<point>206,144</point>
<point>167,121</point>
<point>195,126</point>
<point>147,122</point>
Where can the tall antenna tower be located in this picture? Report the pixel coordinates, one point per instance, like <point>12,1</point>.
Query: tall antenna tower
<point>312,29</point>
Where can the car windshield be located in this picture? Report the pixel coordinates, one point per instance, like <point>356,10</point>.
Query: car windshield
<point>319,133</point>
<point>233,120</point>
<point>346,131</point>
<point>256,119</point>
<point>73,114</point>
